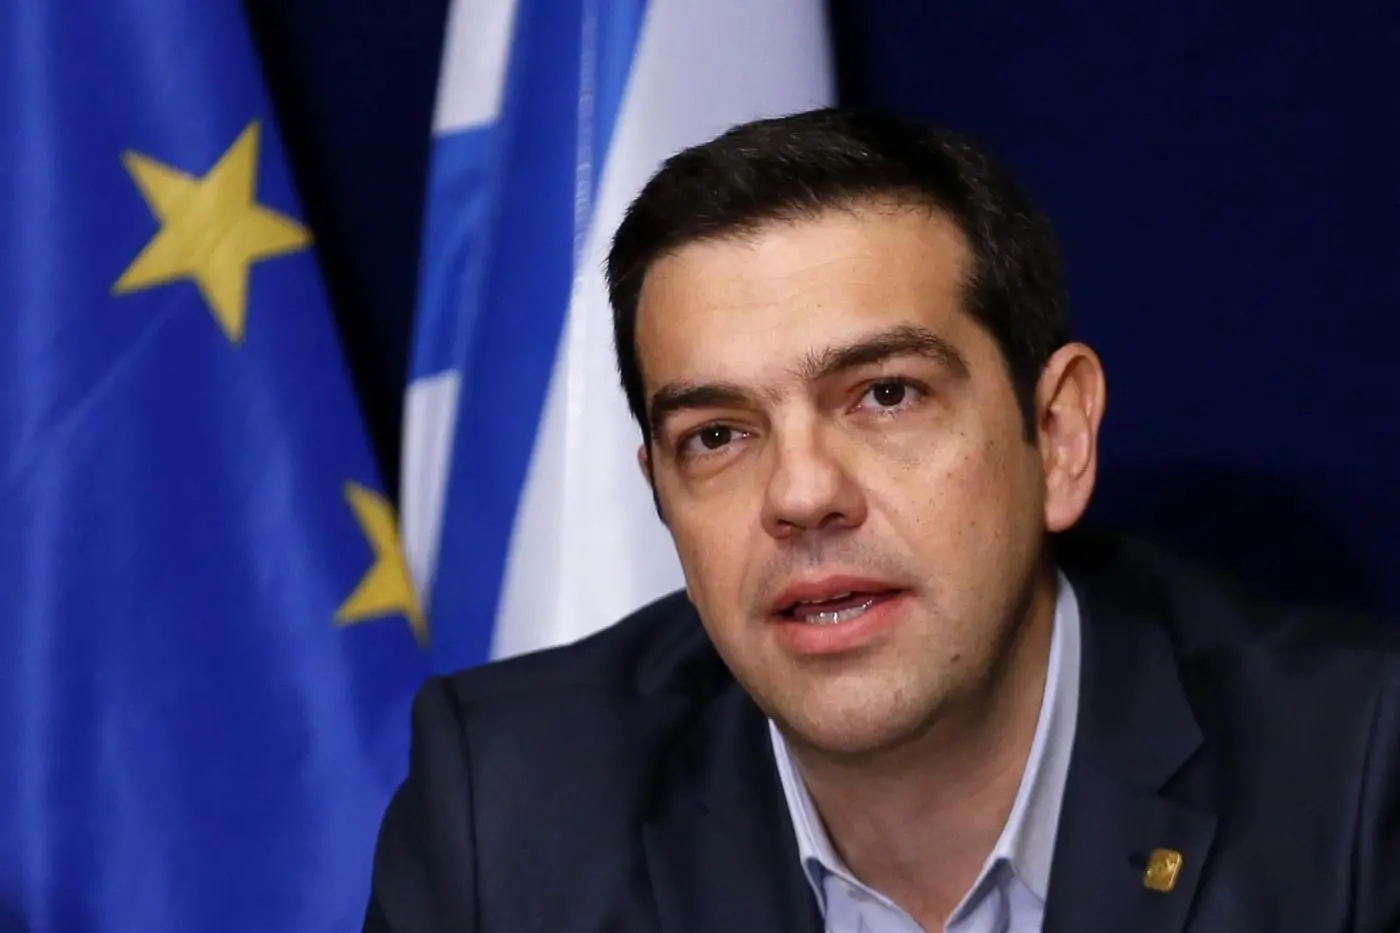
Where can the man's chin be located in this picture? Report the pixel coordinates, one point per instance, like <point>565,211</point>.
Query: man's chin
<point>856,731</point>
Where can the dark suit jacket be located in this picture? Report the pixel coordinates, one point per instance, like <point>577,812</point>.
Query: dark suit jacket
<point>626,783</point>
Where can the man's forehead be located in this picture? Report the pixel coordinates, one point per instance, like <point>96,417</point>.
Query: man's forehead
<point>836,252</point>
<point>738,336</point>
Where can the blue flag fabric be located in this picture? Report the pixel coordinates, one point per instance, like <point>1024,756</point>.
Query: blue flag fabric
<point>211,640</point>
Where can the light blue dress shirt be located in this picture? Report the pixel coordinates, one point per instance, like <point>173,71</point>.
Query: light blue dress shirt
<point>1009,893</point>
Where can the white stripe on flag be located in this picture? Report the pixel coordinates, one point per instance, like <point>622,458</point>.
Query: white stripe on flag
<point>430,417</point>
<point>475,52</point>
<point>587,546</point>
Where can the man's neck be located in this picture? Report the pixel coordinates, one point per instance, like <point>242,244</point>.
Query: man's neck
<point>918,822</point>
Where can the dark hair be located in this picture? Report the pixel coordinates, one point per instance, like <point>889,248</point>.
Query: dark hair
<point>799,166</point>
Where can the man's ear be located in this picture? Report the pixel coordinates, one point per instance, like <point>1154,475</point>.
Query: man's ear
<point>1070,400</point>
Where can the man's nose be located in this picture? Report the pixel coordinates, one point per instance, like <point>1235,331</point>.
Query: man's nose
<point>811,487</point>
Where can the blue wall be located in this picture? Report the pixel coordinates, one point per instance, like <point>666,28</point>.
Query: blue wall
<point>1226,184</point>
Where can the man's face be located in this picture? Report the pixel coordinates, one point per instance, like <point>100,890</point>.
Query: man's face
<point>841,460</point>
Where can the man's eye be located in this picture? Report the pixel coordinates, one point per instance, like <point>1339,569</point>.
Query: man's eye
<point>891,394</point>
<point>715,437</point>
<point>709,438</point>
<point>888,394</point>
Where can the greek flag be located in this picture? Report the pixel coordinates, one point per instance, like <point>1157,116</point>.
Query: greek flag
<point>526,520</point>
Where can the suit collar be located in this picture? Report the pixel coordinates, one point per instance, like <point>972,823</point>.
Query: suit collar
<point>1136,731</point>
<point>719,844</point>
<point>1135,717</point>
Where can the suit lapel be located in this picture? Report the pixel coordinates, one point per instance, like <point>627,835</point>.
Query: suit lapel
<point>720,844</point>
<point>1109,831</point>
<point>1136,732</point>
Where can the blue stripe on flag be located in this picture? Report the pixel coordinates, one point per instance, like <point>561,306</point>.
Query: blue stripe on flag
<point>510,349</point>
<point>457,215</point>
<point>618,27</point>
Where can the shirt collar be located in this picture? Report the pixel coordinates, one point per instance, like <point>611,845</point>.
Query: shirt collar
<point>1027,841</point>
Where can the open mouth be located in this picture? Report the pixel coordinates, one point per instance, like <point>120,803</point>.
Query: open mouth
<point>843,607</point>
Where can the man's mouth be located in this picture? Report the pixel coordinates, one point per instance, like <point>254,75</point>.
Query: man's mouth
<point>834,610</point>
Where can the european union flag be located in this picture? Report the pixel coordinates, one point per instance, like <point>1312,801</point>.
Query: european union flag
<point>211,641</point>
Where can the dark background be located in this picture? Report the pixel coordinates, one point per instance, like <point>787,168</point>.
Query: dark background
<point>1225,178</point>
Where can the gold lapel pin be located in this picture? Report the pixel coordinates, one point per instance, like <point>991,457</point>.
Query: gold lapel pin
<point>1163,867</point>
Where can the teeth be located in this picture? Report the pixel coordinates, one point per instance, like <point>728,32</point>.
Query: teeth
<point>836,618</point>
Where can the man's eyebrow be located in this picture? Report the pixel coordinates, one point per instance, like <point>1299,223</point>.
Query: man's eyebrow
<point>680,396</point>
<point>904,340</point>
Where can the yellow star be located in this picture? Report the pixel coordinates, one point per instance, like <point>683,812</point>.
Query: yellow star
<point>211,230</point>
<point>386,588</point>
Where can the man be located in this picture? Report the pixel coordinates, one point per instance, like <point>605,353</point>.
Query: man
<point>894,695</point>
